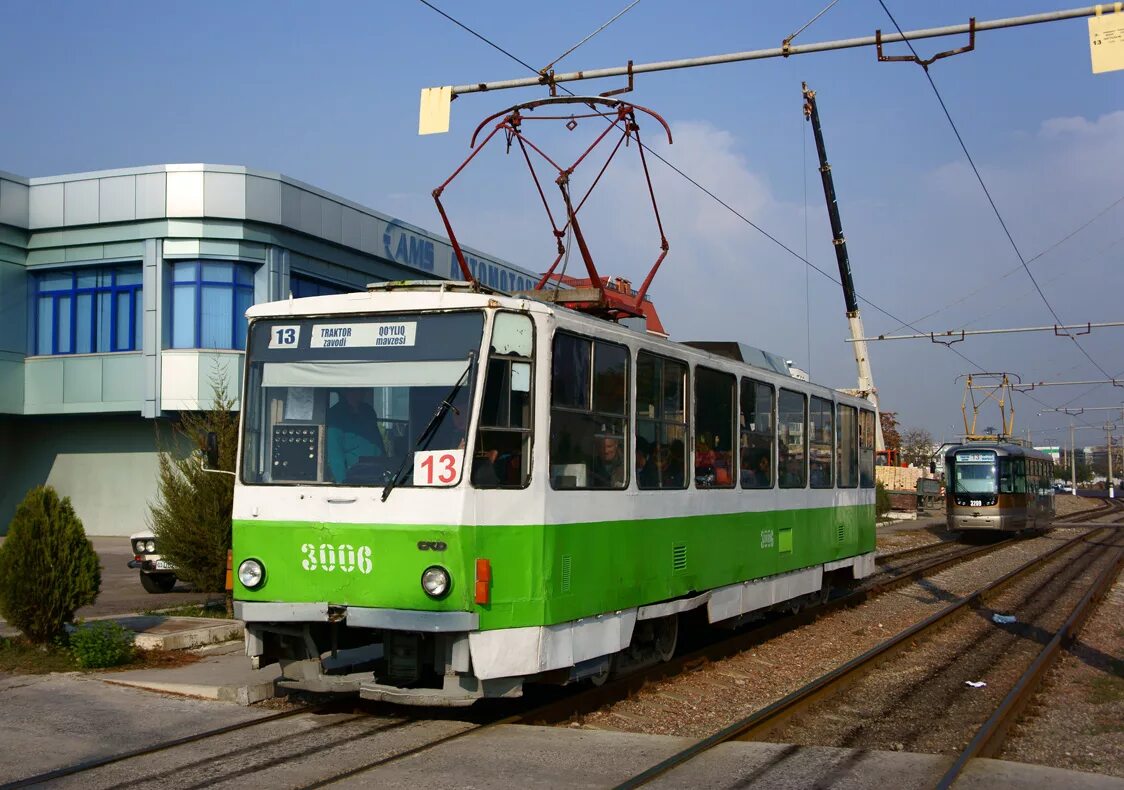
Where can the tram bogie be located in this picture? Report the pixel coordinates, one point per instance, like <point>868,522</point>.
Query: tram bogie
<point>444,494</point>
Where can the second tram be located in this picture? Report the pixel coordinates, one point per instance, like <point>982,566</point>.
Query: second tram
<point>995,485</point>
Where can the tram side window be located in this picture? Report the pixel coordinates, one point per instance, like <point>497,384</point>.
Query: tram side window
<point>792,452</point>
<point>1013,475</point>
<point>756,440</point>
<point>866,448</point>
<point>589,414</point>
<point>714,429</point>
<point>661,422</point>
<point>847,446</point>
<point>503,438</point>
<point>820,442</point>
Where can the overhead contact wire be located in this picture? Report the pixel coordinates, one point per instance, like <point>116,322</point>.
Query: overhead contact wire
<point>729,208</point>
<point>987,192</point>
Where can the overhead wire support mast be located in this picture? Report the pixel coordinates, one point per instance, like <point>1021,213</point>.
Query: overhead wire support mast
<point>761,54</point>
<point>866,387</point>
<point>1061,330</point>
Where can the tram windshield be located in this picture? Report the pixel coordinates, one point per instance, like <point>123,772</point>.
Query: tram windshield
<point>341,400</point>
<point>974,473</point>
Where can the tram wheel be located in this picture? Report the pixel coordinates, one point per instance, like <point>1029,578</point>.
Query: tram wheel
<point>667,637</point>
<point>602,677</point>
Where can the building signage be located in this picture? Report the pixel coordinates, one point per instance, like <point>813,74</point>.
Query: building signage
<point>409,248</point>
<point>491,274</point>
<point>400,333</point>
<point>404,246</point>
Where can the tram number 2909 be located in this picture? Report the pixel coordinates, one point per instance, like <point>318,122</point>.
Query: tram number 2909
<point>344,557</point>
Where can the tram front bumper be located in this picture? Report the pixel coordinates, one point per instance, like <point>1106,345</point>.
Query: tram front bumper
<point>997,522</point>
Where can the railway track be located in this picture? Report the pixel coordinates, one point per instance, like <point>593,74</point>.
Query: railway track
<point>392,734</point>
<point>772,717</point>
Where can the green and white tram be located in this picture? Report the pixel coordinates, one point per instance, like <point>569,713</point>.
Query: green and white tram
<point>445,493</point>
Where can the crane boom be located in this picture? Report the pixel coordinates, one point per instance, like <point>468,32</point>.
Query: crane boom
<point>866,387</point>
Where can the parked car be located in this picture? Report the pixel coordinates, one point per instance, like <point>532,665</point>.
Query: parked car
<point>156,574</point>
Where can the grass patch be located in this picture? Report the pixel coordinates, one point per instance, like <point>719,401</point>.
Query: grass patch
<point>18,656</point>
<point>1106,688</point>
<point>213,610</point>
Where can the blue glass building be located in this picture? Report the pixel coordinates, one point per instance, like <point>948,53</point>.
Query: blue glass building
<point>122,295</point>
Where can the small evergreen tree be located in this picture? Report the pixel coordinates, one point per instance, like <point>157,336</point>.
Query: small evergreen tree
<point>48,567</point>
<point>191,517</point>
<point>881,502</point>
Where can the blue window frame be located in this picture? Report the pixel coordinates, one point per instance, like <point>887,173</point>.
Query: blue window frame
<point>301,285</point>
<point>90,310</point>
<point>209,303</point>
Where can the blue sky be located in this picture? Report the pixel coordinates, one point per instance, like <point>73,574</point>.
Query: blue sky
<point>328,93</point>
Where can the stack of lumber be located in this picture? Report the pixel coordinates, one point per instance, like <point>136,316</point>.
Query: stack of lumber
<point>895,478</point>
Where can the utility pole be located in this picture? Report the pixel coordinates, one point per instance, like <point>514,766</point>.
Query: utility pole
<point>1073,457</point>
<point>1111,489</point>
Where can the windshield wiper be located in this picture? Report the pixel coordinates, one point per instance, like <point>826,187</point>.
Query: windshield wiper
<point>434,423</point>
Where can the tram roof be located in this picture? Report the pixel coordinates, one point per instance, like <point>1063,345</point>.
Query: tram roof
<point>454,294</point>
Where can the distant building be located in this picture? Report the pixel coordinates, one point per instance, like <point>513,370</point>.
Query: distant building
<point>122,295</point>
<point>1053,452</point>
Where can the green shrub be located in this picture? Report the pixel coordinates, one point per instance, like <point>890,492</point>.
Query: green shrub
<point>48,568</point>
<point>881,501</point>
<point>102,644</point>
<point>191,517</point>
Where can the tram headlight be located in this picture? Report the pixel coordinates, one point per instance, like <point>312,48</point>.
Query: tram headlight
<point>150,546</point>
<point>251,574</point>
<point>435,581</point>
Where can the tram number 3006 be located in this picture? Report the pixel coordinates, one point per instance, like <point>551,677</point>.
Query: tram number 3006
<point>344,557</point>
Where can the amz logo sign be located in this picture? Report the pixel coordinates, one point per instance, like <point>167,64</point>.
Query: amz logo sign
<point>344,557</point>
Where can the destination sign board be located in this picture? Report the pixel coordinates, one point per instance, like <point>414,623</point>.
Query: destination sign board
<point>975,458</point>
<point>363,335</point>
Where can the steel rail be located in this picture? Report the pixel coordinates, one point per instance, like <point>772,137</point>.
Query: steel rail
<point>98,762</point>
<point>771,716</point>
<point>990,738</point>
<point>626,686</point>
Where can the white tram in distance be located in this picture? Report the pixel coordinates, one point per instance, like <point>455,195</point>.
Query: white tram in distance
<point>444,493</point>
<point>997,485</point>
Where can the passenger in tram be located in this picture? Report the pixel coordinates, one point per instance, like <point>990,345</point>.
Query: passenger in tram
<point>452,432</point>
<point>353,437</point>
<point>647,475</point>
<point>756,475</point>
<point>671,474</point>
<point>608,466</point>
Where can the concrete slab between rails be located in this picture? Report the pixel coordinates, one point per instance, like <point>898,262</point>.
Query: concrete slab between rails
<point>548,757</point>
<point>224,674</point>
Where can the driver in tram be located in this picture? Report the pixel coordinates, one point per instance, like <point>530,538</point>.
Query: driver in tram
<point>353,436</point>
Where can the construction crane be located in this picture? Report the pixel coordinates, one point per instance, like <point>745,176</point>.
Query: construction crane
<point>865,387</point>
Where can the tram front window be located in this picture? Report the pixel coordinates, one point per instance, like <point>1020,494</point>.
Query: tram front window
<point>342,400</point>
<point>974,473</point>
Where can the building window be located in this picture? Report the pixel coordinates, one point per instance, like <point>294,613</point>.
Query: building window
<point>88,310</point>
<point>301,285</point>
<point>209,303</point>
